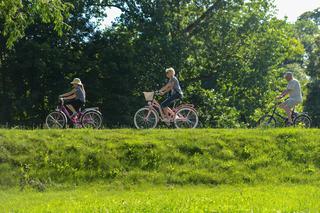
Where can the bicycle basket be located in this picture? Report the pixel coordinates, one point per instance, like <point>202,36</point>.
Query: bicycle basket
<point>148,96</point>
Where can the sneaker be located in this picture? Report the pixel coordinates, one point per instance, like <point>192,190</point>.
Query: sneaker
<point>167,121</point>
<point>178,117</point>
<point>74,118</point>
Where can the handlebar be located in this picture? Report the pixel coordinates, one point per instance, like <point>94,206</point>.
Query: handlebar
<point>61,100</point>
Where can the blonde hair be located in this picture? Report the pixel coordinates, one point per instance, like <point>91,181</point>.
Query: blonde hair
<point>171,70</point>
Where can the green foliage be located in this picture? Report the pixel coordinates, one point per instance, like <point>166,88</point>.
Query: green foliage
<point>229,57</point>
<point>16,16</point>
<point>41,159</point>
<point>308,31</point>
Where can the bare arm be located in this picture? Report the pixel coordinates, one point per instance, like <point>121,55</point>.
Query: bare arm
<point>73,96</point>
<point>166,88</point>
<point>72,92</point>
<point>284,93</point>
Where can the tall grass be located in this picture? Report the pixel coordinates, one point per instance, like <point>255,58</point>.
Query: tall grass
<point>42,158</point>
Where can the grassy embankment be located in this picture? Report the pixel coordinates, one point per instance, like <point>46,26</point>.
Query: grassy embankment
<point>202,169</point>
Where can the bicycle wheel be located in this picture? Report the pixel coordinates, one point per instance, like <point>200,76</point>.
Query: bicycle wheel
<point>267,121</point>
<point>56,120</point>
<point>91,119</point>
<point>303,121</point>
<point>186,118</point>
<point>146,118</point>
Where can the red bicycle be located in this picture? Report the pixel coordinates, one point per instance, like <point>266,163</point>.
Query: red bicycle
<point>148,117</point>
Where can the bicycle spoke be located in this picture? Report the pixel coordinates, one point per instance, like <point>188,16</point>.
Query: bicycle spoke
<point>145,118</point>
<point>302,121</point>
<point>91,120</point>
<point>55,120</point>
<point>186,118</point>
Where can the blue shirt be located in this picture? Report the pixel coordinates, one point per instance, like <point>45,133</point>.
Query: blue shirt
<point>175,86</point>
<point>80,94</point>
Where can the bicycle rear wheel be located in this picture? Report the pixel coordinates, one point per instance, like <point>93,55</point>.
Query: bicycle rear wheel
<point>56,120</point>
<point>303,121</point>
<point>267,121</point>
<point>146,118</point>
<point>91,119</point>
<point>186,118</point>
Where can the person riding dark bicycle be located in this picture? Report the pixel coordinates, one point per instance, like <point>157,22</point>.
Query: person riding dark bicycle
<point>173,86</point>
<point>76,98</point>
<point>295,96</point>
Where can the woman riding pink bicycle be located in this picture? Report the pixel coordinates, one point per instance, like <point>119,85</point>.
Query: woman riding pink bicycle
<point>69,110</point>
<point>175,93</point>
<point>182,116</point>
<point>74,99</point>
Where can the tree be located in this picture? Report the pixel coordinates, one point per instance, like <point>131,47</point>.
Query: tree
<point>17,15</point>
<point>308,30</point>
<point>229,56</point>
<point>40,65</point>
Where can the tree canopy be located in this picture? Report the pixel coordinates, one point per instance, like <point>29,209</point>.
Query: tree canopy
<point>229,56</point>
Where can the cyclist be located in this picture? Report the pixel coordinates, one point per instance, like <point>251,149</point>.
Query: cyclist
<point>175,92</point>
<point>76,98</point>
<point>295,96</point>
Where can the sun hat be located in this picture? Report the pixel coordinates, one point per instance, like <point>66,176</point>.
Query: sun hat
<point>76,81</point>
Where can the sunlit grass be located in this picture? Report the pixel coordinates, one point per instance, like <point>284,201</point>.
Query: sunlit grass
<point>97,198</point>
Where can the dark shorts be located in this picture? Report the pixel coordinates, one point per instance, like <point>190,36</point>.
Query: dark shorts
<point>170,99</point>
<point>77,104</point>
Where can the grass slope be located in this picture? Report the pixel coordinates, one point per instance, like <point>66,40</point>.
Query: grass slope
<point>43,158</point>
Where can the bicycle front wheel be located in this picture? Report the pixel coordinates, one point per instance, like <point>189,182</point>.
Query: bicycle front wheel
<point>146,118</point>
<point>303,121</point>
<point>267,121</point>
<point>186,118</point>
<point>56,120</point>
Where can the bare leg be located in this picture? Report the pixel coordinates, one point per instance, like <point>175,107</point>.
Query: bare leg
<point>71,109</point>
<point>170,112</point>
<point>287,110</point>
<point>166,112</point>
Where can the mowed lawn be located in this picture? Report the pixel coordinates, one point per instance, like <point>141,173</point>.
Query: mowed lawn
<point>102,198</point>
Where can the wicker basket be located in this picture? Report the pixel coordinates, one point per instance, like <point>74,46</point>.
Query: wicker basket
<point>148,96</point>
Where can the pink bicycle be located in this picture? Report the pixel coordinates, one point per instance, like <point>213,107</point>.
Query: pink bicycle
<point>87,118</point>
<point>185,115</point>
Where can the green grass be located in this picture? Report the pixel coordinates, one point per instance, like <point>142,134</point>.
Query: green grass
<point>97,198</point>
<point>44,158</point>
<point>203,170</point>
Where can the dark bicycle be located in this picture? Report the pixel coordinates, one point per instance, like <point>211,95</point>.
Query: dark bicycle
<point>274,119</point>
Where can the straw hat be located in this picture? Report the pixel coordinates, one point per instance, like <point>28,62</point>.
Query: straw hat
<point>76,81</point>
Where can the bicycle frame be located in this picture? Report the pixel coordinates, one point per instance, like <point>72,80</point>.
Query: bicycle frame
<point>64,110</point>
<point>277,114</point>
<point>154,105</point>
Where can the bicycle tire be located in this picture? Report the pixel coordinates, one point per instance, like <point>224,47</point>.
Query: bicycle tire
<point>141,122</point>
<point>184,119</point>
<point>91,119</point>
<point>56,120</point>
<point>303,121</point>
<point>267,121</point>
